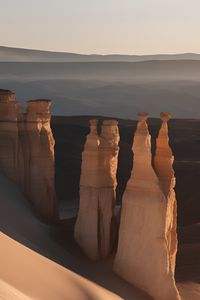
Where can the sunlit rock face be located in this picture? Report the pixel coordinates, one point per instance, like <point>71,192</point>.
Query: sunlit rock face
<point>97,190</point>
<point>27,150</point>
<point>163,164</point>
<point>9,110</point>
<point>143,256</point>
<point>38,150</point>
<point>86,228</point>
<point>108,161</point>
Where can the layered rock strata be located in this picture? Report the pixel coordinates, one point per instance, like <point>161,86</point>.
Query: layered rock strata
<point>143,256</point>
<point>27,150</point>
<point>97,190</point>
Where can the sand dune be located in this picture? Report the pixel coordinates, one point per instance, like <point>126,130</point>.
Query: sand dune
<point>9,292</point>
<point>27,273</point>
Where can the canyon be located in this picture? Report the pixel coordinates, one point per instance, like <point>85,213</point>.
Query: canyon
<point>148,218</point>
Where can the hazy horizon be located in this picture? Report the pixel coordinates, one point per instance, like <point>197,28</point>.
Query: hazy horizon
<point>102,27</point>
<point>98,53</point>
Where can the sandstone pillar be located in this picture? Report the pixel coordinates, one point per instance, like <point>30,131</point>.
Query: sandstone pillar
<point>97,190</point>
<point>38,150</point>
<point>108,161</point>
<point>143,256</point>
<point>86,228</point>
<point>163,164</point>
<point>9,109</point>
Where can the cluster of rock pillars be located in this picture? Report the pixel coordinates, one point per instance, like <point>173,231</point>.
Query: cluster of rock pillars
<point>147,238</point>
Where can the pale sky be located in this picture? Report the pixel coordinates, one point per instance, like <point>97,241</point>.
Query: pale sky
<point>102,26</point>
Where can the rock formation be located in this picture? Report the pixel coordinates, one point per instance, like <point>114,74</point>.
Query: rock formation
<point>143,257</point>
<point>108,161</point>
<point>38,149</point>
<point>163,164</point>
<point>97,190</point>
<point>9,143</point>
<point>27,150</point>
<point>86,228</point>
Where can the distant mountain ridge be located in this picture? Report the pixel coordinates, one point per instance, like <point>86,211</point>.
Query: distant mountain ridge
<point>9,54</point>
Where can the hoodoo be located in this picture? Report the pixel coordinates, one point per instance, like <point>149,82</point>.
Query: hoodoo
<point>38,150</point>
<point>27,150</point>
<point>86,228</point>
<point>163,164</point>
<point>9,143</point>
<point>97,190</point>
<point>108,161</point>
<point>143,257</point>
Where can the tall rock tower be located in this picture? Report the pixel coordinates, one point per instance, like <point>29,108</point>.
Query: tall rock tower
<point>163,164</point>
<point>108,161</point>
<point>9,144</point>
<point>27,150</point>
<point>143,255</point>
<point>97,190</point>
<point>86,228</point>
<point>38,152</point>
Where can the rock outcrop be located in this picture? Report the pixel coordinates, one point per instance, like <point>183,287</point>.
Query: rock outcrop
<point>163,164</point>
<point>27,150</point>
<point>9,143</point>
<point>97,190</point>
<point>86,228</point>
<point>37,145</point>
<point>143,256</point>
<point>108,161</point>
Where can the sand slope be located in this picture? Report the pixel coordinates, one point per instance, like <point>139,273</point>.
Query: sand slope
<point>28,275</point>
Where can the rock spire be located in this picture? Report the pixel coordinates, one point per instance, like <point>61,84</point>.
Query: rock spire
<point>143,256</point>
<point>97,190</point>
<point>163,164</point>
<point>27,150</point>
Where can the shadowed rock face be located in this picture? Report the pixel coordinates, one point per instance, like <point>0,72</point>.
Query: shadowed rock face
<point>9,143</point>
<point>27,150</point>
<point>143,254</point>
<point>163,165</point>
<point>97,190</point>
<point>38,148</point>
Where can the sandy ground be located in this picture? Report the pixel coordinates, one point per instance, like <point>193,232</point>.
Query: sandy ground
<point>38,262</point>
<point>28,275</point>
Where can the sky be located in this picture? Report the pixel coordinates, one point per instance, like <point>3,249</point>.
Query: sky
<point>102,26</point>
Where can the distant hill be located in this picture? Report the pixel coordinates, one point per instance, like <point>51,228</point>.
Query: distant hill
<point>8,54</point>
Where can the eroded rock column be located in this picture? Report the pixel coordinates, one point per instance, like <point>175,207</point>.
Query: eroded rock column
<point>9,110</point>
<point>38,151</point>
<point>97,190</point>
<point>86,228</point>
<point>143,257</point>
<point>163,164</point>
<point>108,161</point>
